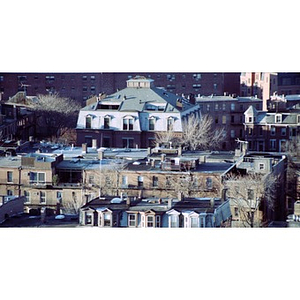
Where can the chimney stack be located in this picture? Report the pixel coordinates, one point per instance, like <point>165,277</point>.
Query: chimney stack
<point>180,196</point>
<point>84,148</point>
<point>100,154</point>
<point>179,151</point>
<point>212,202</point>
<point>128,201</point>
<point>170,203</point>
<point>149,150</point>
<point>94,143</point>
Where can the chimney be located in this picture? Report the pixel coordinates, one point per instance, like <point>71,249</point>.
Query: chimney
<point>212,202</point>
<point>152,163</point>
<point>192,98</point>
<point>162,157</point>
<point>100,154</point>
<point>86,199</point>
<point>128,202</point>
<point>170,203</point>
<point>149,151</point>
<point>223,198</point>
<point>179,151</point>
<point>94,143</point>
<point>180,196</point>
<point>84,148</point>
<point>31,138</point>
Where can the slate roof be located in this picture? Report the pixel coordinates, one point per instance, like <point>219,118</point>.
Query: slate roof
<point>136,98</point>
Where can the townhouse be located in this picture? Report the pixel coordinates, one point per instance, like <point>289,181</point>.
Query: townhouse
<point>156,213</point>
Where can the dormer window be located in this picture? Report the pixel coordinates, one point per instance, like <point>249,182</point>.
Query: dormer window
<point>250,119</point>
<point>278,118</point>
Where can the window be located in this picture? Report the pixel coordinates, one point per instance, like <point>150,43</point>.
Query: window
<point>88,219</point>
<point>209,183</point>
<point>232,106</point>
<point>88,122</point>
<point>236,212</point>
<point>278,118</point>
<point>132,220</point>
<point>232,133</point>
<point>215,86</point>
<point>223,119</point>
<point>170,123</point>
<point>216,106</point>
<point>9,176</point>
<point>37,178</point>
<point>260,131</point>
<point>93,77</point>
<point>42,197</point>
<point>232,118</point>
<point>140,180</point>
<point>27,197</point>
<point>298,119</point>
<point>84,78</point>
<point>208,107</point>
<point>194,222</point>
<point>151,124</point>
<point>261,166</point>
<point>197,76</point>
<point>168,181</point>
<point>106,122</point>
<point>272,144</point>
<point>150,221</point>
<point>10,193</point>
<point>157,221</point>
<point>283,131</point>
<point>124,181</point>
<point>127,142</point>
<point>224,106</point>
<point>250,119</point>
<point>216,120</point>
<point>107,219</point>
<point>155,181</point>
<point>273,130</point>
<point>128,124</point>
<point>59,196</point>
<point>173,221</point>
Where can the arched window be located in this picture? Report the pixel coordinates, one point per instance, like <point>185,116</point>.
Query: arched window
<point>128,123</point>
<point>88,122</point>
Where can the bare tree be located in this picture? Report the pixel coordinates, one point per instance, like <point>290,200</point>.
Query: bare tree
<point>198,133</point>
<point>251,196</point>
<point>55,114</point>
<point>165,137</point>
<point>73,205</point>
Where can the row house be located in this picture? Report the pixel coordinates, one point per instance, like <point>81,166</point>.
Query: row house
<point>228,112</point>
<point>34,176</point>
<point>156,213</point>
<point>130,117</point>
<point>272,131</point>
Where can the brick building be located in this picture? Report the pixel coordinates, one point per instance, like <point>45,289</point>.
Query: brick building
<point>81,86</point>
<point>228,112</point>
